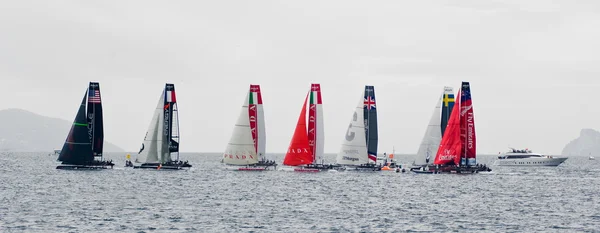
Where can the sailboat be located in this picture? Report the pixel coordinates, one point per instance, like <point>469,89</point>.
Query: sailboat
<point>359,147</point>
<point>457,150</point>
<point>246,148</point>
<point>85,141</point>
<point>305,152</point>
<point>160,149</point>
<point>435,129</point>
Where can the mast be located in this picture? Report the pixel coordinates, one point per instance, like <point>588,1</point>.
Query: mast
<point>315,124</point>
<point>468,136</point>
<point>370,118</point>
<point>94,119</point>
<point>77,148</point>
<point>257,121</point>
<point>171,124</point>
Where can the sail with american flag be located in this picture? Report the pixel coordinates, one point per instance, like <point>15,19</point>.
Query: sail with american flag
<point>85,140</point>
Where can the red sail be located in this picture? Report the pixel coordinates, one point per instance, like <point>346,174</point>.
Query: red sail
<point>450,146</point>
<point>467,125</point>
<point>299,152</point>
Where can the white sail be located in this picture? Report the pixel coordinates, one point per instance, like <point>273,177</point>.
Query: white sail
<point>152,146</point>
<point>354,146</point>
<point>431,139</point>
<point>240,149</point>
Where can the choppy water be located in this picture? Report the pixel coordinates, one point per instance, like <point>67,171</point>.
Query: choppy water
<point>35,197</point>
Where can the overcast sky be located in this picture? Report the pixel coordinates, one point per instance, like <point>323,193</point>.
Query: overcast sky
<point>533,65</point>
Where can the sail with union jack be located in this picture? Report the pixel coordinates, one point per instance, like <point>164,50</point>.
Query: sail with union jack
<point>370,118</point>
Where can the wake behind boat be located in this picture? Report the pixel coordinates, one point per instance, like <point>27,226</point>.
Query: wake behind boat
<point>359,147</point>
<point>161,142</point>
<point>246,148</point>
<point>527,158</point>
<point>85,141</point>
<point>305,152</point>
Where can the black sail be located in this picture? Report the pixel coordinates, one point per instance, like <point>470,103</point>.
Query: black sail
<point>94,119</point>
<point>370,115</point>
<point>77,148</point>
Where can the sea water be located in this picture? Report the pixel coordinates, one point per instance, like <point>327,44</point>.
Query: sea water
<point>36,197</point>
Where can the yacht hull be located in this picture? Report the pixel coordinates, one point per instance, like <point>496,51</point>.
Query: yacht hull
<point>528,162</point>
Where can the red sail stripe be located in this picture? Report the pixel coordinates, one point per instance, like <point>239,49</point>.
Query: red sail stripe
<point>253,118</point>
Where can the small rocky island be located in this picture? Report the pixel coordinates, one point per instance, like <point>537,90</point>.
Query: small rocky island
<point>587,144</point>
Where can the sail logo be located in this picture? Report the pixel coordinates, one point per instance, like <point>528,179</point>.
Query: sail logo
<point>166,122</point>
<point>90,127</point>
<point>311,142</point>
<point>448,155</point>
<point>351,152</point>
<point>350,135</point>
<point>94,85</point>
<point>349,158</point>
<point>369,103</point>
<point>470,130</point>
<point>298,150</point>
<point>465,109</point>
<point>232,156</point>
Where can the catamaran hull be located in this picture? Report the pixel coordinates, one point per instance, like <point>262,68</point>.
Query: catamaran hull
<point>364,169</point>
<point>162,167</point>
<point>314,168</point>
<point>422,172</point>
<point>456,170</point>
<point>251,168</point>
<point>81,167</point>
<point>528,162</point>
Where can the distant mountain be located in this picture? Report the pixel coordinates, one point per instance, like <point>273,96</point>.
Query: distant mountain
<point>24,131</point>
<point>587,143</point>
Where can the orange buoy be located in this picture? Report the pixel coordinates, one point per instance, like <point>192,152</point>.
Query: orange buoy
<point>385,168</point>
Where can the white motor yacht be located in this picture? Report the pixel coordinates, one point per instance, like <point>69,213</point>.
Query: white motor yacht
<point>527,158</point>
